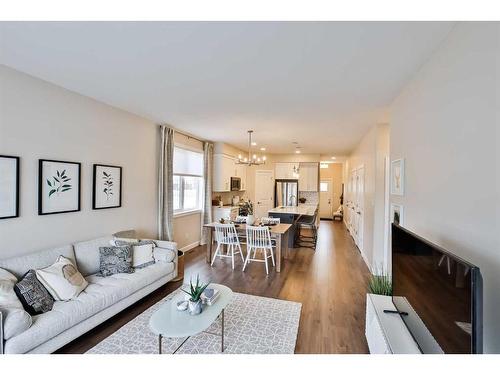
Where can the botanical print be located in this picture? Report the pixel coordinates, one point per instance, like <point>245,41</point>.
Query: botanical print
<point>59,183</point>
<point>59,187</point>
<point>397,177</point>
<point>9,186</point>
<point>107,186</point>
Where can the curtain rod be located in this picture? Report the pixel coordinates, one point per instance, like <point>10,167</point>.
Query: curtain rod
<point>189,136</point>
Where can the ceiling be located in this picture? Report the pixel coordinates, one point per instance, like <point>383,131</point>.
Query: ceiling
<point>321,84</point>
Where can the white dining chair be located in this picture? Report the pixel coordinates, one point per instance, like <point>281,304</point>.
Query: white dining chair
<point>259,239</point>
<point>225,234</point>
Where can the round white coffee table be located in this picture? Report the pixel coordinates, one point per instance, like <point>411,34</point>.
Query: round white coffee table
<point>167,321</point>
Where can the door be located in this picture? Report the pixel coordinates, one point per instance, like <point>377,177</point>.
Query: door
<point>359,182</point>
<point>264,193</point>
<point>326,198</point>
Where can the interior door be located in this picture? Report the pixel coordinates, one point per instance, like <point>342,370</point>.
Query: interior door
<point>359,207</point>
<point>326,199</point>
<point>264,193</point>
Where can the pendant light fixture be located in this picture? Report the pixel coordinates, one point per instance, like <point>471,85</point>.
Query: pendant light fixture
<point>252,159</point>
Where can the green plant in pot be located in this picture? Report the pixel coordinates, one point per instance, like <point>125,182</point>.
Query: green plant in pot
<point>194,293</point>
<point>248,207</point>
<point>380,284</point>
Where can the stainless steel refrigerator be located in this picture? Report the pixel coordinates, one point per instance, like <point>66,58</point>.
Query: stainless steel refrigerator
<point>286,193</point>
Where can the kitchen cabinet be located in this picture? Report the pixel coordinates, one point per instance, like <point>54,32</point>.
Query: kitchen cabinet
<point>286,171</point>
<point>225,168</point>
<point>225,212</point>
<point>308,176</point>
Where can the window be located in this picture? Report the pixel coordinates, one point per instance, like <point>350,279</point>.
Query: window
<point>188,180</point>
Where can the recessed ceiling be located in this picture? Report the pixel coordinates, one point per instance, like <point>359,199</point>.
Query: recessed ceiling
<point>320,83</point>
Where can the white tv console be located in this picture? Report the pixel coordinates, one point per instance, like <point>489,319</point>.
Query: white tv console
<point>386,333</point>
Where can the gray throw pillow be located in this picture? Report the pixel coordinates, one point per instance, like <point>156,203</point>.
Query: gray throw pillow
<point>33,295</point>
<point>115,259</point>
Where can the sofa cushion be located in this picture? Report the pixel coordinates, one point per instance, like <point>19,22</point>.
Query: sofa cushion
<point>15,318</point>
<point>102,292</point>
<point>62,279</point>
<point>18,266</point>
<point>87,254</point>
<point>115,259</point>
<point>33,295</point>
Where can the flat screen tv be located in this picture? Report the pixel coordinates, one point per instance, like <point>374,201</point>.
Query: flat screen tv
<point>437,294</point>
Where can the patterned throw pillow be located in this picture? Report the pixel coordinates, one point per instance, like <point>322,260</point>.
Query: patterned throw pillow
<point>115,259</point>
<point>33,295</point>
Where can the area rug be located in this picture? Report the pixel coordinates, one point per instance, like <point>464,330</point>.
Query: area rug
<point>253,325</point>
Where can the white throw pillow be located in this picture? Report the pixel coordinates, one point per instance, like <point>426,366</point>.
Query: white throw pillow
<point>15,319</point>
<point>142,255</point>
<point>62,279</point>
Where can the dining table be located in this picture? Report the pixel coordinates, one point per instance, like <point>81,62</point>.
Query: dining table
<point>279,232</point>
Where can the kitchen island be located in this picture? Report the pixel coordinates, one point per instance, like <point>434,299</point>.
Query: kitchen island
<point>290,215</point>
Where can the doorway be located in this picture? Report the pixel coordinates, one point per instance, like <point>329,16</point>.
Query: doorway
<point>264,192</point>
<point>326,198</point>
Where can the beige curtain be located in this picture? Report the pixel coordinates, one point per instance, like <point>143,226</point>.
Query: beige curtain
<point>165,185</point>
<point>208,155</point>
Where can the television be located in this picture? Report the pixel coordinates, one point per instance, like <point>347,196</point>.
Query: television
<point>437,294</point>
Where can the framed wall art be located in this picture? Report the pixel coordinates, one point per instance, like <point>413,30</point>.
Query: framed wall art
<point>398,177</point>
<point>106,187</point>
<point>397,214</point>
<point>58,186</point>
<point>9,186</point>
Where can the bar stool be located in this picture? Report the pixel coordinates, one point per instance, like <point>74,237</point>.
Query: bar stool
<point>307,222</point>
<point>259,238</point>
<point>225,234</point>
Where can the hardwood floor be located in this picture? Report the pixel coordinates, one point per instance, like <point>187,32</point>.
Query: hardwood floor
<point>330,282</point>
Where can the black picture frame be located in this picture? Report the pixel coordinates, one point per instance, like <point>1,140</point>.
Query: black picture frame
<point>94,186</point>
<point>41,181</point>
<point>18,183</point>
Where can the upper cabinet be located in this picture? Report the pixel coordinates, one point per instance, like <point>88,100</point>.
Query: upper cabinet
<point>308,176</point>
<point>286,171</point>
<point>225,168</point>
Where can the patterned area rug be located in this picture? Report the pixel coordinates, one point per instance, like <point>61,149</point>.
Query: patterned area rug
<point>253,325</point>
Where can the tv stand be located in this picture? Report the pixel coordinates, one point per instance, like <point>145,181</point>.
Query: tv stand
<point>385,331</point>
<point>395,312</point>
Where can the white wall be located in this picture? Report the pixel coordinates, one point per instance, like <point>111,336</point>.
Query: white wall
<point>40,120</point>
<point>445,124</point>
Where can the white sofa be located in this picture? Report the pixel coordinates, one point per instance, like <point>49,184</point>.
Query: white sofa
<point>103,298</point>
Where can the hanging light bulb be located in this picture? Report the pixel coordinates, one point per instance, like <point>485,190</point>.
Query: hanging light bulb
<point>252,159</point>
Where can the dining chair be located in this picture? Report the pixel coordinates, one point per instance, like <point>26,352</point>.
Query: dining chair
<point>259,239</point>
<point>226,235</point>
<point>270,220</point>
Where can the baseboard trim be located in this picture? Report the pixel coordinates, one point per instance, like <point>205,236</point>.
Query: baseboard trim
<point>189,247</point>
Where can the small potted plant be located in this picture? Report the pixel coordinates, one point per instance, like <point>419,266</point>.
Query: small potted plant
<point>380,284</point>
<point>248,207</point>
<point>194,302</point>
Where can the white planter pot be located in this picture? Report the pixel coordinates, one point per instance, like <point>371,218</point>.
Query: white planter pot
<point>250,220</point>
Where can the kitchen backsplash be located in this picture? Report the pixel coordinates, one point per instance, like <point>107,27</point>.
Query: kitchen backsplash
<point>312,197</point>
<point>227,197</point>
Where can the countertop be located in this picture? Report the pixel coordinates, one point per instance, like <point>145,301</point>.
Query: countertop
<point>305,209</point>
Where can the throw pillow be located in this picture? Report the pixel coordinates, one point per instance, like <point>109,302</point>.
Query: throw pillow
<point>33,295</point>
<point>15,319</point>
<point>142,252</point>
<point>62,279</point>
<point>115,259</point>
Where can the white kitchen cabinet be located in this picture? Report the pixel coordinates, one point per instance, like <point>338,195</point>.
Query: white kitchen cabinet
<point>308,176</point>
<point>286,171</point>
<point>241,172</point>
<point>224,169</point>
